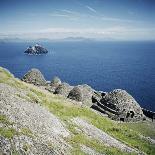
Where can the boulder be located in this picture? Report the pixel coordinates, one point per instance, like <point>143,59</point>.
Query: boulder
<point>123,104</point>
<point>63,89</point>
<point>35,77</point>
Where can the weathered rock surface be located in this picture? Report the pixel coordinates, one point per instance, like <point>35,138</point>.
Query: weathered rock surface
<point>76,94</point>
<point>82,93</point>
<point>37,49</point>
<point>96,133</point>
<point>63,89</point>
<point>46,128</point>
<point>35,77</point>
<point>89,151</point>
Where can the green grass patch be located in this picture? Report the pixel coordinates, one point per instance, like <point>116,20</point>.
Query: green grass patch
<point>81,139</point>
<point>38,93</point>
<point>4,120</point>
<point>8,132</point>
<point>26,132</point>
<point>33,98</point>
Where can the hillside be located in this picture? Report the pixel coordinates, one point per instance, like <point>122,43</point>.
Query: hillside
<point>36,121</point>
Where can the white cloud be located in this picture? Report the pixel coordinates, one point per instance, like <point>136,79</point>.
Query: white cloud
<point>91,9</point>
<point>116,32</point>
<point>117,19</point>
<point>58,15</point>
<point>69,12</point>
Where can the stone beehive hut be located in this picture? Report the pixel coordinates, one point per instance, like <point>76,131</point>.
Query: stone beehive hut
<point>123,104</point>
<point>35,77</point>
<point>82,93</point>
<point>55,82</point>
<point>63,89</point>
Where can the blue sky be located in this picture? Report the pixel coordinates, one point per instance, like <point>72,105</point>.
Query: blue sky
<point>102,19</point>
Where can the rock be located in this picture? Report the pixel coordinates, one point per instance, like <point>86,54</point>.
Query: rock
<point>123,104</point>
<point>89,151</point>
<point>42,128</point>
<point>35,77</point>
<point>37,49</point>
<point>52,86</point>
<point>63,89</point>
<point>82,93</point>
<point>95,133</point>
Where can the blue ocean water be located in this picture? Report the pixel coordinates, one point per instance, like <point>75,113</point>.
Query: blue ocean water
<point>102,65</point>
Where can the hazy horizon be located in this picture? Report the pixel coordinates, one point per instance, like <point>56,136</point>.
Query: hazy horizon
<point>98,19</point>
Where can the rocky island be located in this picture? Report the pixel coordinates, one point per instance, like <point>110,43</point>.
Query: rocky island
<point>53,118</point>
<point>36,50</point>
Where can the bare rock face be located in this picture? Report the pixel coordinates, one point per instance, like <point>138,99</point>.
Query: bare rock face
<point>123,104</point>
<point>63,89</point>
<point>35,77</point>
<point>82,93</point>
<point>36,50</point>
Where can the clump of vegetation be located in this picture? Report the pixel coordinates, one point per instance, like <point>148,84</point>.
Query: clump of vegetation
<point>26,147</point>
<point>33,97</point>
<point>8,78</point>
<point>8,132</point>
<point>26,132</point>
<point>81,139</point>
<point>4,120</point>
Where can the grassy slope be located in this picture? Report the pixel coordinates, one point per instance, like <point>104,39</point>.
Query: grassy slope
<point>65,110</point>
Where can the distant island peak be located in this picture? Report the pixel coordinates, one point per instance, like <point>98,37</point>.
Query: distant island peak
<point>36,50</point>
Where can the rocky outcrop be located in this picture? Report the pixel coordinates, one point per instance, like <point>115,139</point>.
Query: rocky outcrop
<point>37,49</point>
<point>63,89</point>
<point>33,129</point>
<point>119,105</point>
<point>35,77</point>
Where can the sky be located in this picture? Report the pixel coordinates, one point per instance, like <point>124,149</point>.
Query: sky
<point>101,19</point>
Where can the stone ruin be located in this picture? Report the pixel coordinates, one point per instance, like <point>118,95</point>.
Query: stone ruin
<point>117,104</point>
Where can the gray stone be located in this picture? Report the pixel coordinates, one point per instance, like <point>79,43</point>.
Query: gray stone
<point>35,77</point>
<point>63,89</point>
<point>76,94</point>
<point>35,50</point>
<point>55,82</point>
<point>82,93</point>
<point>123,104</point>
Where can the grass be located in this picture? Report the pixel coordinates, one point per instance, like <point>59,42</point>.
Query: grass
<point>27,132</point>
<point>7,132</point>
<point>7,78</point>
<point>81,139</point>
<point>65,110</point>
<point>4,120</point>
<point>123,132</point>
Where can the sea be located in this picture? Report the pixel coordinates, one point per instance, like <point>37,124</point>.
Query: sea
<point>104,65</point>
